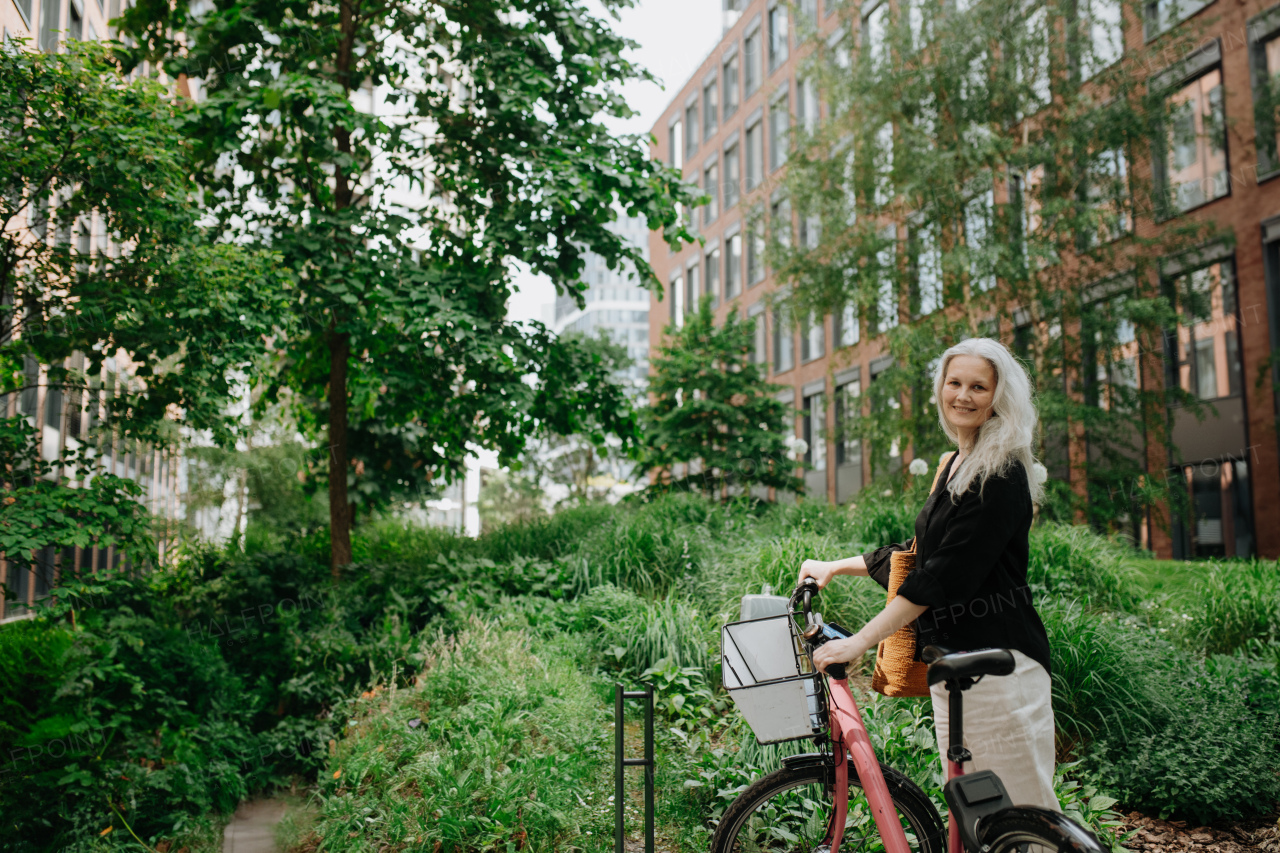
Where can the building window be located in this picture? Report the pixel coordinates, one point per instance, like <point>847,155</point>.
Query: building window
<point>730,79</point>
<point>780,221</point>
<point>755,253</point>
<point>848,448</point>
<point>978,214</point>
<point>1110,351</point>
<point>1264,56</point>
<point>809,12</point>
<point>1206,363</point>
<point>1101,35</point>
<point>846,331</point>
<point>926,270</point>
<point>887,286</point>
<point>1107,195</point>
<point>691,289</point>
<point>810,231</point>
<point>691,130</point>
<point>712,275</point>
<point>710,109</point>
<point>733,266</point>
<point>752,56</point>
<point>812,338</point>
<point>711,186</point>
<point>732,176</point>
<point>1193,170</point>
<point>807,104</point>
<point>883,162</point>
<point>755,155</point>
<point>777,36</point>
<point>779,126</point>
<point>675,145</point>
<point>677,300</point>
<point>814,426</point>
<point>50,24</point>
<point>1160,15</point>
<point>759,354</point>
<point>919,23</point>
<point>875,30</point>
<point>784,344</point>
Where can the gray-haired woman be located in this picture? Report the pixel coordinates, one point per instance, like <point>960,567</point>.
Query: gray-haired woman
<point>969,588</point>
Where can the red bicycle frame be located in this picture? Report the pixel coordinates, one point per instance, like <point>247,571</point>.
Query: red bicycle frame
<point>849,737</point>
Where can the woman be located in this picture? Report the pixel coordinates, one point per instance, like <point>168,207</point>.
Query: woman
<point>969,588</point>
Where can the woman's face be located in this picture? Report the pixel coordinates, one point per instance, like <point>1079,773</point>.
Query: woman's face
<point>967,392</point>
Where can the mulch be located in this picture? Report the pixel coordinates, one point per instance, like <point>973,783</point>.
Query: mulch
<point>1153,835</point>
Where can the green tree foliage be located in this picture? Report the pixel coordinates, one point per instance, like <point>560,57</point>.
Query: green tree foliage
<point>401,158</point>
<point>87,151</point>
<point>982,171</point>
<point>67,504</point>
<point>711,406</point>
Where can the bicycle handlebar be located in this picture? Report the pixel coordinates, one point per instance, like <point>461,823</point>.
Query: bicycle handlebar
<point>807,591</point>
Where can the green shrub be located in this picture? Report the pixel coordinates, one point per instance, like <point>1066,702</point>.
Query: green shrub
<point>1077,563</point>
<point>1211,757</point>
<point>491,750</point>
<point>1101,674</point>
<point>1237,602</point>
<point>635,634</point>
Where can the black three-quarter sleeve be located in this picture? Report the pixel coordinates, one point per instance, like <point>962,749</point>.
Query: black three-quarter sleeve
<point>878,562</point>
<point>976,534</point>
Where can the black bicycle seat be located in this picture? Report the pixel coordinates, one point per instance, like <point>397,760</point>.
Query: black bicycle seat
<point>969,664</point>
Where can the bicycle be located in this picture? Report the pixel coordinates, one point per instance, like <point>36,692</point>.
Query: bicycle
<point>804,807</point>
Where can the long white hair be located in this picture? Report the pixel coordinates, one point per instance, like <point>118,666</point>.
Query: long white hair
<point>1007,435</point>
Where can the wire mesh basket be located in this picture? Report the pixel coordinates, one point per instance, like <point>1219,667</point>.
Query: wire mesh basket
<point>770,679</point>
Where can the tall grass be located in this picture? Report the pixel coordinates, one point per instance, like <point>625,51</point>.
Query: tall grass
<point>1076,563</point>
<point>1236,602</point>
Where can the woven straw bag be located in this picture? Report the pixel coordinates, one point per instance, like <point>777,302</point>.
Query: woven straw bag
<point>897,671</point>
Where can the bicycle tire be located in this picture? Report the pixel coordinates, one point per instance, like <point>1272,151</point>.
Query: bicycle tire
<point>925,830</point>
<point>1024,828</point>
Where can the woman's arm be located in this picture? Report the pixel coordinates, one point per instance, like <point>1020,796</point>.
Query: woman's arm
<point>823,571</point>
<point>896,614</point>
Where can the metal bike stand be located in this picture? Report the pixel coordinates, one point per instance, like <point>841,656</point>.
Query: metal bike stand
<point>620,762</point>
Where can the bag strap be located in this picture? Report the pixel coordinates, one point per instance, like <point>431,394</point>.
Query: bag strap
<point>942,466</point>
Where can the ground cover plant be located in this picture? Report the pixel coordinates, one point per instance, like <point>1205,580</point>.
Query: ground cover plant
<point>233,673</point>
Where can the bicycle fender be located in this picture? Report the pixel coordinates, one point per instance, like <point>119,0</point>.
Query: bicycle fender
<point>1081,839</point>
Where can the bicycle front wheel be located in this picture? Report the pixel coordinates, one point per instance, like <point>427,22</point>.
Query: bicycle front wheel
<point>788,811</point>
<point>1024,829</point>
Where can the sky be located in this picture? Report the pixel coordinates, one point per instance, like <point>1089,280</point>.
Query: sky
<point>674,36</point>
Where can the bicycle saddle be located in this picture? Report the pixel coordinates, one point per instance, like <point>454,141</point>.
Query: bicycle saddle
<point>945,667</point>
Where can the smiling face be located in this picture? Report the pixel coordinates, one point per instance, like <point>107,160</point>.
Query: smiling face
<point>968,390</point>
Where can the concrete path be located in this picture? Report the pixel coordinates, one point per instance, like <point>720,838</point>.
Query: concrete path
<point>253,827</point>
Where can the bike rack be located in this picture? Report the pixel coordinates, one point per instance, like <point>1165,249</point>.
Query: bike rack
<point>620,762</point>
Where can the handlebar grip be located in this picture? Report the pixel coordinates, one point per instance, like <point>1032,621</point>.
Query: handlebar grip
<point>838,671</point>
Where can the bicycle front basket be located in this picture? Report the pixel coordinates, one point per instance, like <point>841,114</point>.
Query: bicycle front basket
<point>770,679</point>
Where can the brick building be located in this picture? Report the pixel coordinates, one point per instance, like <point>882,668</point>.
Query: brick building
<point>728,126</point>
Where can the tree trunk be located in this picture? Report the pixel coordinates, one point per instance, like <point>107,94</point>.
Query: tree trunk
<point>339,510</point>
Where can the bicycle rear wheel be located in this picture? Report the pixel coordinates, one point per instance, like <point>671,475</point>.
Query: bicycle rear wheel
<point>1024,829</point>
<point>788,810</point>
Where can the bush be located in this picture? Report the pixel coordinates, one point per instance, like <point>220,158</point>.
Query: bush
<point>492,749</point>
<point>1077,563</point>
<point>1211,756</point>
<point>635,634</point>
<point>1237,602</point>
<point>1101,674</point>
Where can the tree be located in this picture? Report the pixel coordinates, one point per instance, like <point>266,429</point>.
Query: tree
<point>988,168</point>
<point>65,504</point>
<point>85,152</point>
<point>401,158</point>
<point>711,408</point>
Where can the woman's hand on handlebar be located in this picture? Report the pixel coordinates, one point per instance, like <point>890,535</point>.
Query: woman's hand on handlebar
<point>839,651</point>
<point>822,572</point>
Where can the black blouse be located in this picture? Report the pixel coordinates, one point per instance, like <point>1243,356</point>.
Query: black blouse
<point>971,568</point>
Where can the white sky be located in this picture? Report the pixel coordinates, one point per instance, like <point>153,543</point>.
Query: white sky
<point>674,36</point>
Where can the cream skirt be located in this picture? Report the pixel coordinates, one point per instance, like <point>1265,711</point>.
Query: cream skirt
<point>1008,726</point>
